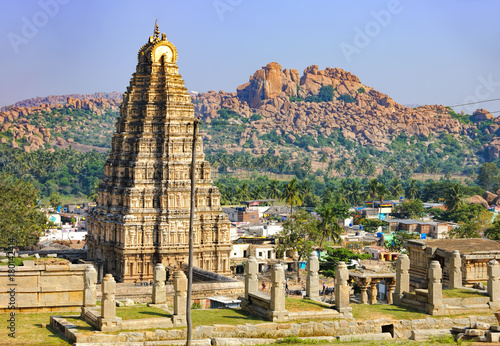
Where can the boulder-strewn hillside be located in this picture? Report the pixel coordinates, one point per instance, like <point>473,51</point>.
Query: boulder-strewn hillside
<point>361,113</point>
<point>61,121</point>
<point>327,118</point>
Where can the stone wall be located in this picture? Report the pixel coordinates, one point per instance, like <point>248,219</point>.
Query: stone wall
<point>43,288</point>
<point>400,329</point>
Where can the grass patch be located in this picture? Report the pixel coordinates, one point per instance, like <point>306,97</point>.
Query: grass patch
<point>29,329</point>
<point>81,325</point>
<point>461,293</point>
<point>138,312</point>
<point>366,311</point>
<point>223,316</point>
<point>18,261</point>
<point>296,305</point>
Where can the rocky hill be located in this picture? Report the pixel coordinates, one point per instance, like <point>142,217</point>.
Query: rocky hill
<point>55,121</point>
<point>360,112</point>
<point>321,115</point>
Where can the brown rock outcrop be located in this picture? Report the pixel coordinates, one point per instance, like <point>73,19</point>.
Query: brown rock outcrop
<point>489,197</point>
<point>476,199</point>
<point>481,115</point>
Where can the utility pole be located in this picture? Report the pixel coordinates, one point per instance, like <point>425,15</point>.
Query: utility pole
<point>191,220</point>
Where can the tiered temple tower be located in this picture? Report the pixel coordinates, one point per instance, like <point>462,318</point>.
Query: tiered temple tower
<point>142,213</point>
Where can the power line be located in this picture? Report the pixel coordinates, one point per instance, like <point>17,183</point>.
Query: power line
<point>472,103</point>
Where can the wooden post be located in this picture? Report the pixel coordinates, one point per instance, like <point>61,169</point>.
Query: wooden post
<point>191,220</point>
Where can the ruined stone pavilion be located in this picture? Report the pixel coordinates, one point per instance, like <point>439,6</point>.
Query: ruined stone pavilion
<point>143,206</point>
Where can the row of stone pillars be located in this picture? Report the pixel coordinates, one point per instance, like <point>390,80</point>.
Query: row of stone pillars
<point>277,308</point>
<point>107,321</point>
<point>342,288</point>
<point>276,311</point>
<point>435,285</point>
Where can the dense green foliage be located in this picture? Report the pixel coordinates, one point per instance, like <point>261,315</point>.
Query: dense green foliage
<point>66,172</point>
<point>410,209</point>
<point>21,220</point>
<point>334,256</point>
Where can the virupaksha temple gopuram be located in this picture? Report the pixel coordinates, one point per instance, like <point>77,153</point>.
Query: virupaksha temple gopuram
<point>143,206</point>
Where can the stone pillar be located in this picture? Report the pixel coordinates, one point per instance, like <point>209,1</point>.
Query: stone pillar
<point>277,312</point>
<point>494,282</point>
<point>455,270</point>
<point>89,289</point>
<point>390,290</point>
<point>363,285</point>
<point>342,289</point>
<point>159,295</point>
<point>373,292</point>
<point>402,278</point>
<point>251,281</point>
<point>180,296</point>
<point>435,289</point>
<point>108,320</point>
<point>312,280</point>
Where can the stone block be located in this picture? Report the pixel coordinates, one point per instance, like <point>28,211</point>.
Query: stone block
<point>458,329</point>
<point>493,336</point>
<point>241,341</point>
<point>24,255</point>
<point>52,255</point>
<point>37,256</point>
<point>475,332</point>
<point>28,263</point>
<point>480,325</point>
<point>4,260</point>
<point>365,337</point>
<point>128,302</point>
<point>425,334</point>
<point>3,254</point>
<point>495,328</point>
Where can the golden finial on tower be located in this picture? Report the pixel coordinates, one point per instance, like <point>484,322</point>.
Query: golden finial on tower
<point>157,30</point>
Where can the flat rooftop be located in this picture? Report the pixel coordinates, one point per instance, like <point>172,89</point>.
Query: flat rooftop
<point>465,246</point>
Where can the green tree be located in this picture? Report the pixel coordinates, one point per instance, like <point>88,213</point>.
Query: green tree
<point>274,190</point>
<point>396,188</point>
<point>329,227</point>
<point>326,93</point>
<point>55,199</point>
<point>291,194</point>
<point>410,209</point>
<point>413,190</point>
<point>468,229</point>
<point>333,256</point>
<point>454,199</point>
<point>299,235</point>
<point>493,232</point>
<point>399,239</point>
<point>21,220</point>
<point>372,225</point>
<point>488,176</point>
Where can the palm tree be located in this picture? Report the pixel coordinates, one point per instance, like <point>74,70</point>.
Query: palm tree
<point>329,226</point>
<point>291,194</point>
<point>413,191</point>
<point>258,192</point>
<point>396,188</point>
<point>455,197</point>
<point>382,191</point>
<point>354,193</point>
<point>273,190</point>
<point>372,191</point>
<point>242,191</point>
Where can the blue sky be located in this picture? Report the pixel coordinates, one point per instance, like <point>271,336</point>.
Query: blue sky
<point>416,51</point>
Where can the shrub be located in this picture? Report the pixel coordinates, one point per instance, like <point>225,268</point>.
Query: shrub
<point>361,90</point>
<point>346,98</point>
